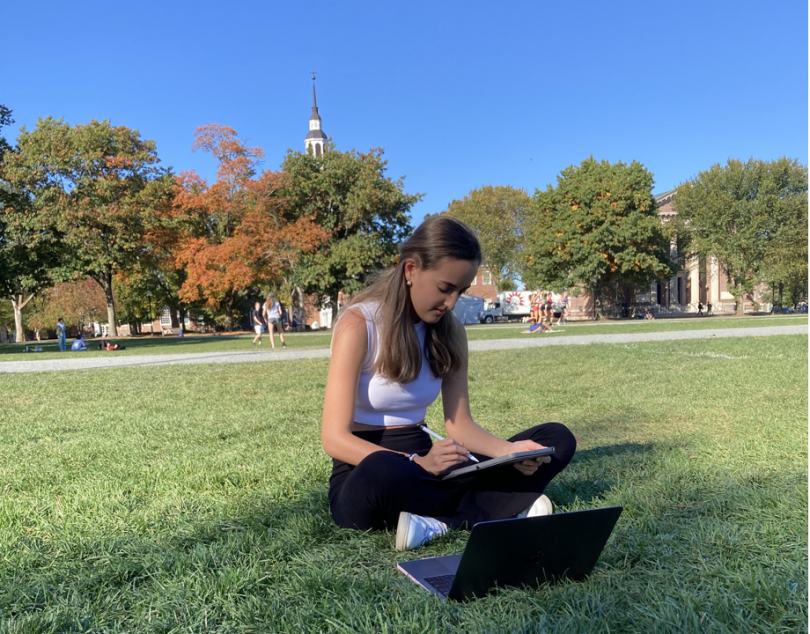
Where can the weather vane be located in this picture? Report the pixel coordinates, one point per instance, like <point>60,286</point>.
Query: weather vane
<point>313,74</point>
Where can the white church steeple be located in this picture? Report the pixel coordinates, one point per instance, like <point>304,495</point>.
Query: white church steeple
<point>316,138</point>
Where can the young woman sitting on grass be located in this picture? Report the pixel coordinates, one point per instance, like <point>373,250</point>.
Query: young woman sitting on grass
<point>537,326</point>
<point>395,347</point>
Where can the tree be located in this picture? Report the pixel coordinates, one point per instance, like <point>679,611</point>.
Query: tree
<point>96,187</point>
<point>238,233</point>
<point>497,216</point>
<point>362,211</point>
<point>29,253</point>
<point>598,228</point>
<point>751,216</point>
<point>785,264</point>
<point>79,302</point>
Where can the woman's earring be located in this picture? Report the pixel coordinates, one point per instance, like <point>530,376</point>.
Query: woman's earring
<point>408,282</point>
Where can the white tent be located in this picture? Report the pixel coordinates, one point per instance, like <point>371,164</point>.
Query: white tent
<point>467,308</point>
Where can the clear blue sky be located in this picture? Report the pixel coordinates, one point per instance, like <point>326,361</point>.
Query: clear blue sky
<point>460,94</point>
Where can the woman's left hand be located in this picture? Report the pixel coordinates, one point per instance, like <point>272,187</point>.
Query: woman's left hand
<point>528,467</point>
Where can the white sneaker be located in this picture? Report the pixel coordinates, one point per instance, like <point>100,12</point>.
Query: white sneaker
<point>541,506</point>
<point>414,531</point>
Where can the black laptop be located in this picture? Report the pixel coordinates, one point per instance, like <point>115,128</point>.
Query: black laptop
<point>521,551</point>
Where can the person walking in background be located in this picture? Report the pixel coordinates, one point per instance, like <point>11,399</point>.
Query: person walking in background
<point>564,312</point>
<point>534,312</point>
<point>541,308</point>
<point>60,335</point>
<point>272,311</point>
<point>556,309</point>
<point>709,309</point>
<point>257,322</point>
<point>700,308</point>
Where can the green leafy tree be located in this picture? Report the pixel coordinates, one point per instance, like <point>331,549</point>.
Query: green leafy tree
<point>597,229</point>
<point>751,216</point>
<point>29,253</point>
<point>96,187</point>
<point>497,216</point>
<point>364,213</point>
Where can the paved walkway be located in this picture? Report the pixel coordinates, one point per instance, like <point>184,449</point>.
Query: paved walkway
<point>535,341</point>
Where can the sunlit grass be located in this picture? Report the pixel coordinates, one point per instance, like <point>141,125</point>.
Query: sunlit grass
<point>322,339</point>
<point>193,498</point>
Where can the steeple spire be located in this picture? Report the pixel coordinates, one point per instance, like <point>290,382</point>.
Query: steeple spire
<point>316,138</point>
<point>314,101</point>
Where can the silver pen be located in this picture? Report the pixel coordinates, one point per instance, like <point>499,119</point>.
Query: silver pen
<point>437,437</point>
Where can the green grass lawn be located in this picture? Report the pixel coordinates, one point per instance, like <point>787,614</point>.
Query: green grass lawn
<point>241,343</point>
<point>193,498</point>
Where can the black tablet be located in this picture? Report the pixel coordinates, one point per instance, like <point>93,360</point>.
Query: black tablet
<point>509,458</point>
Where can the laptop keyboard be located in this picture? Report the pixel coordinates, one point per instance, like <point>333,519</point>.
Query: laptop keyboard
<point>441,583</point>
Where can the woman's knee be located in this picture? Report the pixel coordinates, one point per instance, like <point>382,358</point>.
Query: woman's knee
<point>555,435</point>
<point>377,471</point>
<point>565,443</point>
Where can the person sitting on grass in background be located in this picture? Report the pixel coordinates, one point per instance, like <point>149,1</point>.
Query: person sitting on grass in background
<point>537,326</point>
<point>109,345</point>
<point>78,344</point>
<point>394,349</point>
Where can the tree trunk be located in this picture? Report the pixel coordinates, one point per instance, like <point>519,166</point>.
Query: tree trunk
<point>301,310</point>
<point>228,306</point>
<point>106,284</point>
<point>333,304</point>
<point>174,313</point>
<point>18,305</point>
<point>181,318</point>
<point>740,301</point>
<point>780,296</point>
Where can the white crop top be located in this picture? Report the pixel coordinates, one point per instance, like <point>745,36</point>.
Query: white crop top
<point>383,403</point>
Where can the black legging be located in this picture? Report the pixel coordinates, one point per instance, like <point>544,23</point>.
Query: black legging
<point>372,494</point>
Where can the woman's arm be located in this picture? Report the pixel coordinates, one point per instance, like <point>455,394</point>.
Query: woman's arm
<point>462,428</point>
<point>349,349</point>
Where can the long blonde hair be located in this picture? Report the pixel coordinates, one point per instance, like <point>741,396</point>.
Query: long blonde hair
<point>399,358</point>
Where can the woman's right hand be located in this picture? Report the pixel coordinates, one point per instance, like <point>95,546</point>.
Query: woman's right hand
<point>442,455</point>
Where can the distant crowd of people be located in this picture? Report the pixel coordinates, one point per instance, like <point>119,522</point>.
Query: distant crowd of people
<point>546,307</point>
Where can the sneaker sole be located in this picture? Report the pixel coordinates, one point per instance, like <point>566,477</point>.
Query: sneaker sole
<point>402,530</point>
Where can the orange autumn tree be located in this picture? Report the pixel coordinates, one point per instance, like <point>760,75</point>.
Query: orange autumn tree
<point>239,232</point>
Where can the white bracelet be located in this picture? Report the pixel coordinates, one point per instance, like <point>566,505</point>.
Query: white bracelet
<point>412,456</point>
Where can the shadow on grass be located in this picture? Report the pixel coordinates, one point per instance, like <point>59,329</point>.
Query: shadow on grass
<point>283,565</point>
<point>609,451</point>
<point>586,481</point>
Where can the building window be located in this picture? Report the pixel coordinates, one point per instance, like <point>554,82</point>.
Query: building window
<point>486,278</point>
<point>166,317</point>
<point>317,150</point>
<point>475,280</point>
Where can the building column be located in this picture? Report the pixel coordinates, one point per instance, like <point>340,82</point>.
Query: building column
<point>714,281</point>
<point>694,282</point>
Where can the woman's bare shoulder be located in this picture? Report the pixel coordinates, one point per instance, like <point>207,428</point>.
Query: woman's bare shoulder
<point>351,326</point>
